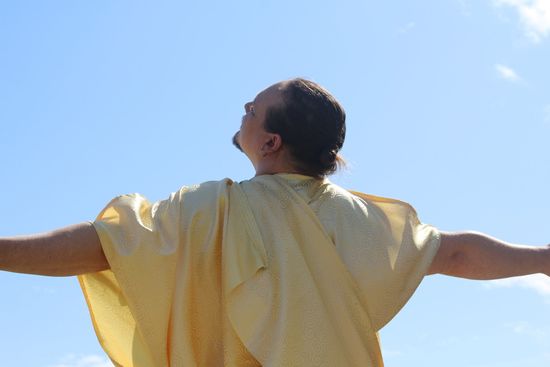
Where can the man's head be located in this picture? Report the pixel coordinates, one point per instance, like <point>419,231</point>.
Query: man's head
<point>293,126</point>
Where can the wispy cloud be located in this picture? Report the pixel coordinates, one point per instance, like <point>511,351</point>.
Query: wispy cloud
<point>507,73</point>
<point>407,27</point>
<point>524,328</point>
<point>534,16</point>
<point>465,7</point>
<point>73,360</point>
<point>537,282</point>
<point>43,290</point>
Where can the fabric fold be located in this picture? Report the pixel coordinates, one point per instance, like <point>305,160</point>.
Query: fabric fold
<point>307,309</point>
<point>243,248</point>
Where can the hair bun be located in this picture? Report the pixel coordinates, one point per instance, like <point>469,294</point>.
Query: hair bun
<point>328,157</point>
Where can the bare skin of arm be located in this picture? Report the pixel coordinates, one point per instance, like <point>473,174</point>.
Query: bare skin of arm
<point>76,249</point>
<point>67,251</point>
<point>475,255</point>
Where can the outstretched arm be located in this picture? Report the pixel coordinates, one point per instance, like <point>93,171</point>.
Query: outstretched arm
<point>66,251</point>
<point>474,255</point>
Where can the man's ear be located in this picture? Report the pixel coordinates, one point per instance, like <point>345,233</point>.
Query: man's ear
<point>273,144</point>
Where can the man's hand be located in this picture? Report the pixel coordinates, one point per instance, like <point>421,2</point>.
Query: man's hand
<point>475,255</point>
<point>66,251</point>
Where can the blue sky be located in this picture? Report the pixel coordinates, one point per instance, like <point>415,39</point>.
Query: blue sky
<point>448,106</point>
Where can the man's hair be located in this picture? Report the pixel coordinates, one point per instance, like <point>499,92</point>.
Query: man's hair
<point>312,125</point>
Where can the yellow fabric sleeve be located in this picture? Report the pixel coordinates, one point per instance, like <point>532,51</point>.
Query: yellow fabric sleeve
<point>130,303</point>
<point>399,249</point>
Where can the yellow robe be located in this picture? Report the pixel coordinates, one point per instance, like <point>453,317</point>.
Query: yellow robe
<point>279,270</point>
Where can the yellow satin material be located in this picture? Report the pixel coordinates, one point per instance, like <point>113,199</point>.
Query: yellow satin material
<point>279,270</point>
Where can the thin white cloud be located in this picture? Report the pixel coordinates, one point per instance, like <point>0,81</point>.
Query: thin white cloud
<point>534,16</point>
<point>539,283</point>
<point>43,290</point>
<point>526,329</point>
<point>92,360</point>
<point>465,7</point>
<point>507,73</point>
<point>407,27</point>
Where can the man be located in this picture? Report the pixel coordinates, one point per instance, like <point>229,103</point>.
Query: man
<point>283,269</point>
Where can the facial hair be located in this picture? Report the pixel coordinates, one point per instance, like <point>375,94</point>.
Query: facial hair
<point>235,141</point>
